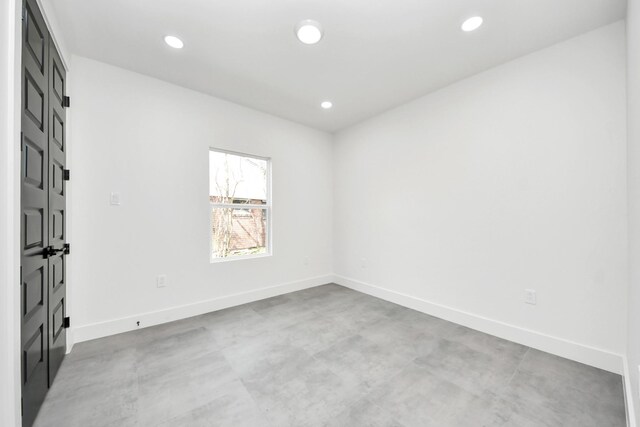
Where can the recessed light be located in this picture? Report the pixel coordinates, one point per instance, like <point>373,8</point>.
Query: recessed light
<point>174,42</point>
<point>309,31</point>
<point>326,104</point>
<point>472,23</point>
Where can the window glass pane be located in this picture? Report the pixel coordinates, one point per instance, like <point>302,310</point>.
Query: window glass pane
<point>237,179</point>
<point>238,232</point>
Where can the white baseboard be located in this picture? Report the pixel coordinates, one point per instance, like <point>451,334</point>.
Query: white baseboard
<point>592,356</point>
<point>588,355</point>
<point>628,395</point>
<point>125,324</point>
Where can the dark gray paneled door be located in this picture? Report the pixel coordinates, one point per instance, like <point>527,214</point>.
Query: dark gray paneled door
<point>42,302</point>
<point>57,213</point>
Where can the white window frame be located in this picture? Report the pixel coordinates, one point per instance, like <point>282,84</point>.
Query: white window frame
<point>267,207</point>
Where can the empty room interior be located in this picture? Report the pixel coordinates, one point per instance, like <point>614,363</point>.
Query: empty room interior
<point>320,213</point>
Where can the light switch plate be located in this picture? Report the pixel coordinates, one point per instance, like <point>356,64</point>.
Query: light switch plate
<point>114,199</point>
<point>161,281</point>
<point>530,296</point>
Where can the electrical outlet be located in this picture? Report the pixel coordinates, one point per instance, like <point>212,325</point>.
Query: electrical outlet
<point>161,281</point>
<point>530,296</point>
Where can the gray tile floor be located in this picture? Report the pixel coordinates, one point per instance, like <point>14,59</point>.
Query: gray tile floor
<point>326,356</point>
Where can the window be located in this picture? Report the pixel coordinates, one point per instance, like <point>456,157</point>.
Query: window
<point>239,195</point>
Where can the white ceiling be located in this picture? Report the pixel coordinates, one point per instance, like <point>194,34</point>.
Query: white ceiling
<point>375,54</point>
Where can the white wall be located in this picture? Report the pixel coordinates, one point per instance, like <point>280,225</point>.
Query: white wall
<point>511,179</point>
<point>9,215</point>
<point>149,140</point>
<point>633,165</point>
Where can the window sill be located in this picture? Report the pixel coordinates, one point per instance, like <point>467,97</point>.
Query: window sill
<point>238,258</point>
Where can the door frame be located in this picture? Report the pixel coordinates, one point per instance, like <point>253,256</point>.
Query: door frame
<point>10,65</point>
<point>10,217</point>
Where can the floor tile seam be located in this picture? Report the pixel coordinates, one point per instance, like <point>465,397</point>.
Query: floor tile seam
<point>190,352</point>
<point>580,390</point>
<point>390,378</point>
<point>335,344</point>
<point>352,404</point>
<point>234,370</point>
<point>241,383</point>
<point>169,373</point>
<point>586,393</point>
<point>347,338</point>
<point>288,335</point>
<point>364,397</point>
<point>486,393</point>
<point>255,402</point>
<point>325,364</point>
<point>364,394</point>
<point>311,311</point>
<point>350,334</point>
<point>488,354</point>
<point>281,327</point>
<point>513,375</point>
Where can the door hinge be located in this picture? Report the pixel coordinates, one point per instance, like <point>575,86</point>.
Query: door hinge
<point>65,174</point>
<point>20,276</point>
<point>67,322</point>
<point>67,248</point>
<point>24,12</point>
<point>22,406</point>
<point>66,102</point>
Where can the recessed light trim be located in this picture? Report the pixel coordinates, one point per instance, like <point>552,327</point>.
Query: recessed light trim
<point>472,24</point>
<point>309,31</point>
<point>174,42</point>
<point>326,104</point>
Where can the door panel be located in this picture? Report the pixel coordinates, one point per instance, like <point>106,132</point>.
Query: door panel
<point>34,101</point>
<point>35,36</point>
<point>34,354</point>
<point>58,131</point>
<point>35,212</point>
<point>34,292</point>
<point>57,212</point>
